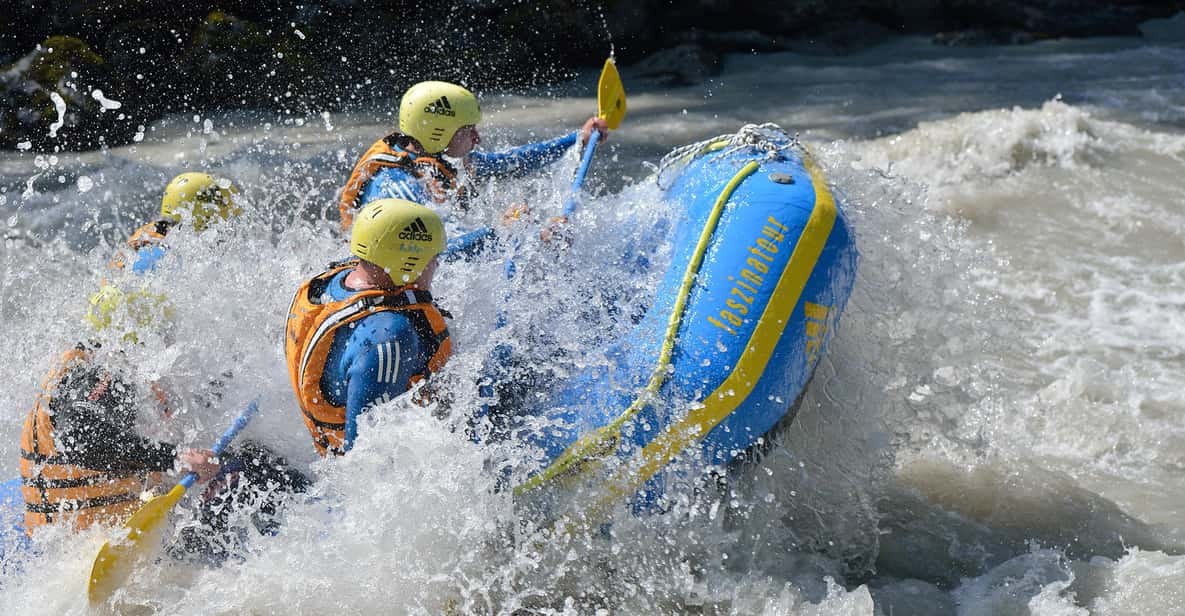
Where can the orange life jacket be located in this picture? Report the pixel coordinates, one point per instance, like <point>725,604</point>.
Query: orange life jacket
<point>58,491</point>
<point>151,234</point>
<point>312,325</point>
<point>440,177</point>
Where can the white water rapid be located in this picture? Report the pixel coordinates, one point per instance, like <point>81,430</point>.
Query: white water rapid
<point>998,426</point>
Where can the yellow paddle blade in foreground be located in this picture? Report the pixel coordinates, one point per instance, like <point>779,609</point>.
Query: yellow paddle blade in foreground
<point>114,563</point>
<point>611,95</point>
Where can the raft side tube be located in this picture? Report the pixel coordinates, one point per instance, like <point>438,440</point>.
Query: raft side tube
<point>763,264</point>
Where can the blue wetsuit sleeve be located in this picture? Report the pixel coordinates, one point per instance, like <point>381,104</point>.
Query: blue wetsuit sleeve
<point>522,159</point>
<point>393,183</point>
<point>382,355</point>
<point>147,259</point>
<point>469,245</point>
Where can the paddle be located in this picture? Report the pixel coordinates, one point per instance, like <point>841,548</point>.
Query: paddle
<point>113,564</point>
<point>611,108</point>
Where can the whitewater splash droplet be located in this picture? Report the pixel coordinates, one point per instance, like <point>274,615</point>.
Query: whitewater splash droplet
<point>59,105</point>
<point>104,102</point>
<point>29,186</point>
<point>85,183</point>
<point>299,34</point>
<point>139,136</point>
<point>24,145</point>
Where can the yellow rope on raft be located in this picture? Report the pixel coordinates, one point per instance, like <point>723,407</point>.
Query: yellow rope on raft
<point>583,455</point>
<point>753,361</point>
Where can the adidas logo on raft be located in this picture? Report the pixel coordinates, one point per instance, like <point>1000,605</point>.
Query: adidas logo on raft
<point>441,107</point>
<point>416,231</point>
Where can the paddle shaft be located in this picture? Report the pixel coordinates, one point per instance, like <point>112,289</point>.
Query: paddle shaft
<point>240,422</point>
<point>471,242</point>
<point>569,205</point>
<point>578,181</point>
<point>113,563</point>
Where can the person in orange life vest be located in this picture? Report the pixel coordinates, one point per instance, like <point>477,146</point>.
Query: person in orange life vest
<point>82,460</point>
<point>367,329</point>
<point>194,198</point>
<point>197,199</point>
<point>437,122</point>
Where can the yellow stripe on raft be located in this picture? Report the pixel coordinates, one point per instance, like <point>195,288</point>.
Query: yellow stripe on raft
<point>582,456</point>
<point>740,383</point>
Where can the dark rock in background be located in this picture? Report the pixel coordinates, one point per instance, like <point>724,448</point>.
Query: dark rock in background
<point>976,37</point>
<point>295,56</point>
<point>68,68</point>
<point>683,65</point>
<point>1169,30</point>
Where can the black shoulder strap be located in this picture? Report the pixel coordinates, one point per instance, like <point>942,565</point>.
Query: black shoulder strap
<point>317,285</point>
<point>396,140</point>
<point>163,226</point>
<point>400,299</point>
<point>430,339</point>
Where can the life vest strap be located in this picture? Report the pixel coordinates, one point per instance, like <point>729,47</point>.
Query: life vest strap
<point>327,425</point>
<point>40,482</point>
<point>40,458</point>
<point>434,340</point>
<point>364,304</point>
<point>407,298</point>
<point>64,506</point>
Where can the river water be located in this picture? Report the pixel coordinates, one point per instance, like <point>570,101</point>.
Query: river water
<point>995,428</point>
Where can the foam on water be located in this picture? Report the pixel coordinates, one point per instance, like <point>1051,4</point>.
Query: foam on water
<point>412,514</point>
<point>1103,327</point>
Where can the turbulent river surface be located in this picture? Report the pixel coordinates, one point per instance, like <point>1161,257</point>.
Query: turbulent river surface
<point>996,427</point>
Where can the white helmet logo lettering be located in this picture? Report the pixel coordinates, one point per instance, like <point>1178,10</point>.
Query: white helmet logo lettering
<point>442,107</point>
<point>416,231</point>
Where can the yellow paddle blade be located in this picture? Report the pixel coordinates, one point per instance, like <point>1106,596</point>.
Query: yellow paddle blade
<point>114,563</point>
<point>611,95</point>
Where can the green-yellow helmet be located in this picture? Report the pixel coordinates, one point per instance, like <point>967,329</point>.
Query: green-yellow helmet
<point>129,312</point>
<point>201,195</point>
<point>399,236</point>
<point>432,111</point>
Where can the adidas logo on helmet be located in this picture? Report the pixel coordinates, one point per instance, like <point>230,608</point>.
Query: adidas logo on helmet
<point>416,231</point>
<point>441,107</point>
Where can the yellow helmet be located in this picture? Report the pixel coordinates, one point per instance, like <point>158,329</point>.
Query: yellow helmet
<point>399,236</point>
<point>138,310</point>
<point>432,111</point>
<point>202,196</point>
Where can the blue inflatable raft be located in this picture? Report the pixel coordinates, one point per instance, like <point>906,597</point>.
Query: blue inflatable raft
<point>12,522</point>
<point>762,266</point>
